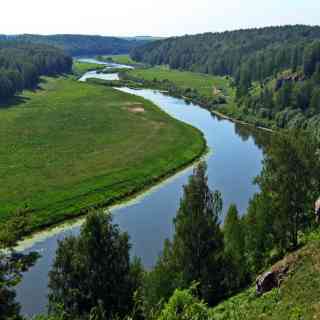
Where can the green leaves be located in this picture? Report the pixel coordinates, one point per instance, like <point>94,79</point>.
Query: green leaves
<point>94,271</point>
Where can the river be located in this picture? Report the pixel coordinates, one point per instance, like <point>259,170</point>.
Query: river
<point>233,161</point>
<point>99,75</point>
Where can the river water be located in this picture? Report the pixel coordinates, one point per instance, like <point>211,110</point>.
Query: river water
<point>234,160</point>
<point>103,76</point>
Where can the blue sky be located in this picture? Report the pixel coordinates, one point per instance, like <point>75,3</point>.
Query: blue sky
<point>151,17</point>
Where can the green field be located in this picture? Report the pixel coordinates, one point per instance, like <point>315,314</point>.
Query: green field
<point>204,83</point>
<point>79,68</point>
<point>71,145</point>
<point>119,58</point>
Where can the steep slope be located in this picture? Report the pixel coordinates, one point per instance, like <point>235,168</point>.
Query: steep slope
<point>297,297</point>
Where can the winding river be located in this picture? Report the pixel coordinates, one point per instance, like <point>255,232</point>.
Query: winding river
<point>234,160</point>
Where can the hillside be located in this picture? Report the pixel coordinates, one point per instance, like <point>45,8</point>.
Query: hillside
<point>296,298</point>
<point>224,53</point>
<point>275,71</point>
<point>77,45</point>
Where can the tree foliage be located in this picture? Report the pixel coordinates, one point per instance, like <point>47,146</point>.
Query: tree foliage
<point>94,270</point>
<point>289,181</point>
<point>264,51</point>
<point>276,70</point>
<point>196,252</point>
<point>79,45</point>
<point>198,240</point>
<point>234,247</point>
<point>21,65</point>
<point>12,264</point>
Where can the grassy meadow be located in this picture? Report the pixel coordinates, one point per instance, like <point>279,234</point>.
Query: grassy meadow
<point>69,146</point>
<point>204,83</point>
<point>79,68</point>
<point>119,58</point>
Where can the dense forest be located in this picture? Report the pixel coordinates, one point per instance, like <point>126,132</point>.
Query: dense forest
<point>21,65</point>
<point>267,49</point>
<point>275,70</point>
<point>77,45</point>
<point>291,98</point>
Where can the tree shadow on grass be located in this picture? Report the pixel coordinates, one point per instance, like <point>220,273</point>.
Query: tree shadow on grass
<point>13,102</point>
<point>39,85</point>
<point>18,99</point>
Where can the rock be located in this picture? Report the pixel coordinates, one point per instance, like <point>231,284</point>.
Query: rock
<point>288,78</point>
<point>266,282</point>
<point>317,210</point>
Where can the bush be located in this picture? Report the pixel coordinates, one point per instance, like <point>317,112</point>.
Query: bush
<point>184,306</point>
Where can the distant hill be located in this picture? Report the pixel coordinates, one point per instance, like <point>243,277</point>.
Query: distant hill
<point>77,45</point>
<point>223,53</point>
<point>145,38</point>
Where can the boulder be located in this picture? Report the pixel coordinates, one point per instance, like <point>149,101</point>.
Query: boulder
<point>266,282</point>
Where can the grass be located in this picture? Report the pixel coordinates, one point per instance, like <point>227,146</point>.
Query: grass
<point>79,68</point>
<point>70,146</point>
<point>297,298</point>
<point>119,58</point>
<point>204,83</point>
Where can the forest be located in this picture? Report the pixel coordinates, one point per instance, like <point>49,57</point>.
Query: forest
<point>275,70</point>
<point>21,65</point>
<point>269,49</point>
<point>77,45</point>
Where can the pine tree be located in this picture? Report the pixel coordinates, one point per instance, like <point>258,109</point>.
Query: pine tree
<point>234,247</point>
<point>294,60</point>
<point>315,100</point>
<point>233,233</point>
<point>289,182</point>
<point>198,240</point>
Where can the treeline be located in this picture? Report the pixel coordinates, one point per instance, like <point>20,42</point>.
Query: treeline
<point>77,45</point>
<point>267,50</point>
<point>22,64</point>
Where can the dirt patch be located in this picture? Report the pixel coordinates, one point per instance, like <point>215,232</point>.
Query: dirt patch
<point>286,264</point>
<point>136,108</point>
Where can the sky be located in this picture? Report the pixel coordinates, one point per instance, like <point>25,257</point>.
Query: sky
<point>151,17</point>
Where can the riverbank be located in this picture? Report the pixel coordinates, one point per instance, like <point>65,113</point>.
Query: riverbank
<point>74,223</point>
<point>213,93</point>
<point>73,158</point>
<point>235,120</point>
<point>122,59</point>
